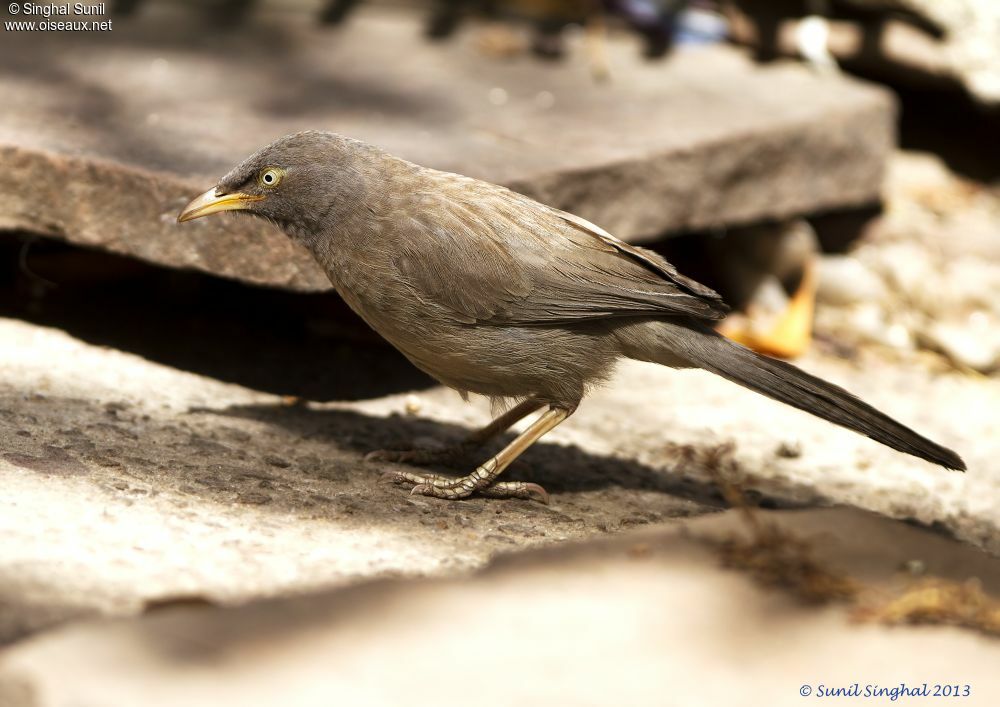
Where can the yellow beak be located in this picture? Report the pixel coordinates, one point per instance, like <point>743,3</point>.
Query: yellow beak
<point>210,203</point>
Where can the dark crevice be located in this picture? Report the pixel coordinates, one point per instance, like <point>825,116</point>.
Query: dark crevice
<point>305,345</point>
<point>950,125</point>
<point>697,253</point>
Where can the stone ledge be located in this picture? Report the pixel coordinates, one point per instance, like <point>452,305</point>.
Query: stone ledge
<point>111,135</point>
<point>127,482</point>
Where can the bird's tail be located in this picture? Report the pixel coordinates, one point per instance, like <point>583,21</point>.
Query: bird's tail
<point>704,348</point>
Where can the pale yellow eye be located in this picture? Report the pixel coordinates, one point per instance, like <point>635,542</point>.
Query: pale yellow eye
<point>271,176</point>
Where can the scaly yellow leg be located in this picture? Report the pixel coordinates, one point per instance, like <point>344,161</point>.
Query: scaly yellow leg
<point>483,479</point>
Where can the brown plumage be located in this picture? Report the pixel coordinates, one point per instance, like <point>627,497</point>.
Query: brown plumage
<point>491,292</point>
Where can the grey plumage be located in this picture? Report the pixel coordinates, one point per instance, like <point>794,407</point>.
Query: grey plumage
<point>491,292</point>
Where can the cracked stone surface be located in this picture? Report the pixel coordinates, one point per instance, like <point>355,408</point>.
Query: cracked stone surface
<point>128,482</point>
<point>646,618</point>
<point>113,134</point>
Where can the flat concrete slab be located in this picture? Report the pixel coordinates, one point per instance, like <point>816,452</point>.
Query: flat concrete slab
<point>647,618</point>
<point>104,136</point>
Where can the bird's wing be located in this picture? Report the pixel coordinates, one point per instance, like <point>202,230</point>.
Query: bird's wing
<point>502,258</point>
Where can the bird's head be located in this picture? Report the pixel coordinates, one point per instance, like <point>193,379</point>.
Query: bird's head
<point>285,182</point>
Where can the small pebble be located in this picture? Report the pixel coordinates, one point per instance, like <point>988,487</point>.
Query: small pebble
<point>789,450</point>
<point>498,96</point>
<point>640,550</point>
<point>975,345</point>
<point>914,567</point>
<point>845,280</point>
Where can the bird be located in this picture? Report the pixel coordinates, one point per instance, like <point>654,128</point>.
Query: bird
<point>493,293</point>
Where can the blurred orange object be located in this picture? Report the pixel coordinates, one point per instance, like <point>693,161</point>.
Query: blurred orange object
<point>792,331</point>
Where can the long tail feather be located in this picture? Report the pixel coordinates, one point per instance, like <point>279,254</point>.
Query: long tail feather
<point>781,381</point>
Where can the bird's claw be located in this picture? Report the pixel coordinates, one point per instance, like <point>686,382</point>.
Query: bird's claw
<point>534,492</point>
<point>454,489</point>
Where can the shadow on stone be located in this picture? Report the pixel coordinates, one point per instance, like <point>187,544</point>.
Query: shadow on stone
<point>560,469</point>
<point>309,464</point>
<point>308,345</point>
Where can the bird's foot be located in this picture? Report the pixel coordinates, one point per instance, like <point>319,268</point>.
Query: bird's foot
<point>454,488</point>
<point>442,455</point>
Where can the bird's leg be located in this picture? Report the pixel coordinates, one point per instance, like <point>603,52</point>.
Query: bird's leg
<point>483,479</point>
<point>473,441</point>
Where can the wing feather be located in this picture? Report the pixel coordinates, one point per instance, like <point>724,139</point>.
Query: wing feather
<point>488,255</point>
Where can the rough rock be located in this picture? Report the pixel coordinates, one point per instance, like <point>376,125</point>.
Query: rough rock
<point>937,258</point>
<point>910,269</point>
<point>113,132</point>
<point>648,618</point>
<point>975,344</point>
<point>867,323</point>
<point>128,482</point>
<point>845,280</point>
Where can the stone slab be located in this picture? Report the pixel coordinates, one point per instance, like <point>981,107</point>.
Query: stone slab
<point>648,618</point>
<point>104,136</point>
<point>127,482</point>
